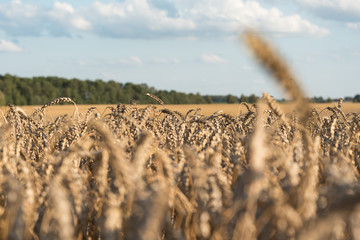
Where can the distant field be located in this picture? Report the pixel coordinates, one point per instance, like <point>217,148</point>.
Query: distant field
<point>206,109</point>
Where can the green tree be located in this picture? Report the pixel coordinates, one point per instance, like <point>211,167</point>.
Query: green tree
<point>199,99</point>
<point>243,98</point>
<point>208,99</point>
<point>252,98</point>
<point>356,98</point>
<point>231,99</point>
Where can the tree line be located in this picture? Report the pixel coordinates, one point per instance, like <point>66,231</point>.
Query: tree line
<point>40,90</point>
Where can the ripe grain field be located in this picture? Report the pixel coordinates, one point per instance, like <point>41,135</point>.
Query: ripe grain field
<point>175,172</point>
<point>205,109</point>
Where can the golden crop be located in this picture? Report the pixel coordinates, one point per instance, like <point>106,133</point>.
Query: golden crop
<point>156,173</point>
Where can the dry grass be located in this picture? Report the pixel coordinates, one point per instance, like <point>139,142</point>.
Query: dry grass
<point>160,172</point>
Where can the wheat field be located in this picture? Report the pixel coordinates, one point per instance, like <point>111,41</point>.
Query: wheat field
<point>205,109</point>
<point>157,172</point>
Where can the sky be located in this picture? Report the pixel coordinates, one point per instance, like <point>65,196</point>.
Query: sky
<point>184,45</point>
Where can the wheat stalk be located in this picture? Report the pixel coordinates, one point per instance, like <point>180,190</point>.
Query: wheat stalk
<point>275,65</point>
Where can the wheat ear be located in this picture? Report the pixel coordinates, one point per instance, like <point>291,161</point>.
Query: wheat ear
<point>155,98</point>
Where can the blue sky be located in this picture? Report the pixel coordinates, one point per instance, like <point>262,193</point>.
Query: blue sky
<point>184,45</point>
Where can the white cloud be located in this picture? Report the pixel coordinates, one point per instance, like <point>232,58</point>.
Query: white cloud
<point>64,7</point>
<point>80,23</point>
<point>27,19</point>
<point>211,58</point>
<point>17,18</point>
<point>152,19</point>
<point>136,18</point>
<point>65,15</point>
<point>16,8</point>
<point>133,60</point>
<point>342,10</point>
<point>6,46</point>
<point>230,15</point>
<point>353,25</point>
<point>343,5</point>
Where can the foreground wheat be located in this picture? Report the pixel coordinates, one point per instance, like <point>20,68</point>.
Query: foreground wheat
<point>157,174</point>
<point>153,173</point>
